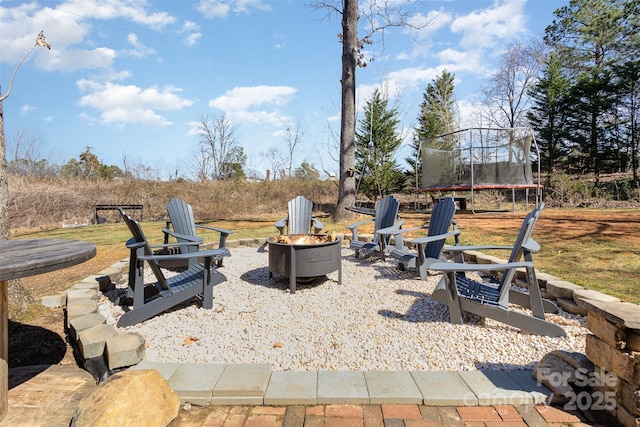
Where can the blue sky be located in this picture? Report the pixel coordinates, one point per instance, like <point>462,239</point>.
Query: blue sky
<point>132,78</point>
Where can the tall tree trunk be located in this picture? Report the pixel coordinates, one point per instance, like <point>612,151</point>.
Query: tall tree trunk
<point>347,191</point>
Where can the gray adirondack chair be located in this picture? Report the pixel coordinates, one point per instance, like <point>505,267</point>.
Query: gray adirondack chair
<point>491,300</point>
<point>386,217</point>
<point>428,250</point>
<point>182,227</point>
<point>150,299</point>
<point>300,219</point>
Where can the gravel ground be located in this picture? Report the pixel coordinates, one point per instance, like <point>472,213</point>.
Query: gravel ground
<point>378,319</point>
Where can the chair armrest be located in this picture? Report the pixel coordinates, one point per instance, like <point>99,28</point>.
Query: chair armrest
<point>358,224</point>
<point>211,253</point>
<point>194,239</point>
<point>407,230</point>
<point>317,224</point>
<point>457,248</point>
<point>281,224</point>
<point>219,230</point>
<point>394,229</point>
<point>457,266</point>
<point>429,239</point>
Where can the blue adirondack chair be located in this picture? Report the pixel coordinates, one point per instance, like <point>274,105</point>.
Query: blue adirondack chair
<point>146,300</point>
<point>385,218</point>
<point>300,219</point>
<point>182,227</point>
<point>486,299</point>
<point>428,250</point>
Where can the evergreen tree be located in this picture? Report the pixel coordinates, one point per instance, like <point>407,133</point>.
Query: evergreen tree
<point>548,113</point>
<point>591,36</point>
<point>437,116</point>
<point>377,142</point>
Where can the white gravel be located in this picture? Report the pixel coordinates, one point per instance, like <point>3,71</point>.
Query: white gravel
<point>378,319</point>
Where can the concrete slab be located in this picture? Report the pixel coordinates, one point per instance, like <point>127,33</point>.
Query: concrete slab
<point>494,387</point>
<point>245,382</point>
<point>194,382</point>
<point>53,301</point>
<point>444,388</point>
<point>292,388</point>
<point>335,387</point>
<point>166,369</point>
<point>525,379</point>
<point>392,387</point>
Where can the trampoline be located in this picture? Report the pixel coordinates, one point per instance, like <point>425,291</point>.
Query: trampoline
<point>476,159</point>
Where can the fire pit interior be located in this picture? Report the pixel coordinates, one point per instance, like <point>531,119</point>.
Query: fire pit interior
<point>304,256</point>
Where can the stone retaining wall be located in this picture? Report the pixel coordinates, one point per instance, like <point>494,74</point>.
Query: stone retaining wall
<point>608,378</point>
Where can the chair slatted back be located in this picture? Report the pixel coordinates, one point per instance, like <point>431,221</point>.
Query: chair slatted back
<point>439,223</point>
<point>523,239</point>
<point>386,214</point>
<point>300,213</point>
<point>182,221</point>
<point>139,237</point>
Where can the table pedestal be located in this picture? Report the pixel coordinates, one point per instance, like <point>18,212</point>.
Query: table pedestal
<point>4,349</point>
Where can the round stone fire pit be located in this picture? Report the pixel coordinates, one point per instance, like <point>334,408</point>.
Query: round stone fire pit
<point>304,256</point>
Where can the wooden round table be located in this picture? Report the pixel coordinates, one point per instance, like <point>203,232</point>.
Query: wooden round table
<point>24,258</point>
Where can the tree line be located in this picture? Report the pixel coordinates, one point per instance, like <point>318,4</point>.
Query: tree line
<point>578,89</point>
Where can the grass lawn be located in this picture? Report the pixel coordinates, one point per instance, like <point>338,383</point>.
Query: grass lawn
<point>594,248</point>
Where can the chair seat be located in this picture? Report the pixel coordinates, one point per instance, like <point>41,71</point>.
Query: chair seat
<point>483,293</point>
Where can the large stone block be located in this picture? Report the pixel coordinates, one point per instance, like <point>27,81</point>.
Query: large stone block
<point>562,289</point>
<point>124,350</point>
<point>129,398</point>
<point>633,340</point>
<point>92,340</point>
<point>625,365</point>
<point>622,314</point>
<point>630,398</point>
<point>82,323</point>
<point>606,331</point>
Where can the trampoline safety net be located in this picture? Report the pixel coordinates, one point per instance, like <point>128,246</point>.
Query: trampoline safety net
<point>478,157</point>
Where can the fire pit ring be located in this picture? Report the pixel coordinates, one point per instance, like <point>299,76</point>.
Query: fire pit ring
<point>304,256</point>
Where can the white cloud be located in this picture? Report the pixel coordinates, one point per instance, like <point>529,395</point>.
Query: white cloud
<point>242,98</point>
<point>120,104</point>
<point>27,109</point>
<point>139,50</point>
<point>489,27</point>
<point>70,33</point>
<point>192,33</point>
<point>221,9</point>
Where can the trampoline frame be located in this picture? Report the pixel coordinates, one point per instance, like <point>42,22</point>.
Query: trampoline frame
<point>472,187</point>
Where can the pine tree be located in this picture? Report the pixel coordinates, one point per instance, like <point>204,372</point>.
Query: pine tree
<point>437,116</point>
<point>548,115</point>
<point>377,143</point>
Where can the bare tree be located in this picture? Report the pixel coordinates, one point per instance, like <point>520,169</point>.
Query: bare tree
<point>378,17</point>
<point>219,144</point>
<point>23,154</point>
<point>293,136</point>
<point>276,160</point>
<point>201,165</point>
<point>16,292</point>
<point>506,95</point>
